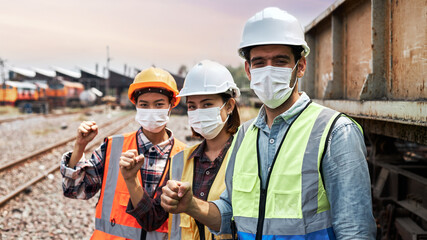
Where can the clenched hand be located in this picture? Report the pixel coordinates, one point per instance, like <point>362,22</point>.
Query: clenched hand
<point>130,163</point>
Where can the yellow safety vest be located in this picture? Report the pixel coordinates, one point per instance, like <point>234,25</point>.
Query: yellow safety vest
<point>182,226</point>
<point>294,202</point>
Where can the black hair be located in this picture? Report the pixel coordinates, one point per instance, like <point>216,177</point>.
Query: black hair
<point>163,91</point>
<point>296,51</point>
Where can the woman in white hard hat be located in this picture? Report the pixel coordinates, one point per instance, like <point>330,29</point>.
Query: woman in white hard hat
<point>114,166</point>
<point>210,92</point>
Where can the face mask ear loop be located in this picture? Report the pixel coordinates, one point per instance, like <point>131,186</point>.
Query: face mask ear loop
<point>170,110</point>
<point>296,75</point>
<point>223,105</point>
<point>228,115</point>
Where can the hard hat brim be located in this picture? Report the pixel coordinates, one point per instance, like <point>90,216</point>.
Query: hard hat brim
<point>236,92</point>
<point>153,84</point>
<point>304,46</point>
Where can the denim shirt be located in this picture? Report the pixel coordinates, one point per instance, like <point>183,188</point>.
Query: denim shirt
<point>344,169</point>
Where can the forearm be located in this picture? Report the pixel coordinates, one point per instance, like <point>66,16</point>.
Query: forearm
<point>76,155</point>
<point>135,190</point>
<point>206,213</point>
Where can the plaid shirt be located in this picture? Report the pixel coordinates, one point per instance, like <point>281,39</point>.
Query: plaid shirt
<point>85,179</point>
<point>205,170</point>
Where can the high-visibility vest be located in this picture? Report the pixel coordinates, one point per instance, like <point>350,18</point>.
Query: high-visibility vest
<point>182,226</point>
<point>294,204</point>
<point>111,219</point>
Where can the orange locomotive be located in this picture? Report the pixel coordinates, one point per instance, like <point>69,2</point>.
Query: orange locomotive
<point>63,93</point>
<point>39,96</point>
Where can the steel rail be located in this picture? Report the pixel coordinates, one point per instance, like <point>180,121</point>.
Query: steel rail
<point>40,177</point>
<point>48,148</point>
<point>4,120</point>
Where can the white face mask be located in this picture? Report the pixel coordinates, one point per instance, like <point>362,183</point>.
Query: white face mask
<point>207,122</point>
<point>152,120</point>
<point>271,84</point>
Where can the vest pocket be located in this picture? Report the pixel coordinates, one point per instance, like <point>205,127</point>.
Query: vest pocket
<point>188,226</point>
<point>245,197</point>
<point>285,204</point>
<point>124,199</point>
<point>185,220</point>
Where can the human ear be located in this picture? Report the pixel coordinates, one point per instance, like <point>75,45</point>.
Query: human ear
<point>231,105</point>
<point>302,64</point>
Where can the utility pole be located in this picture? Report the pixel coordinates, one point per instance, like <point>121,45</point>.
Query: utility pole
<point>3,100</point>
<point>107,82</point>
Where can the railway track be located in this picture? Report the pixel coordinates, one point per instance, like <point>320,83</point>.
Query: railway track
<point>121,122</point>
<point>25,117</point>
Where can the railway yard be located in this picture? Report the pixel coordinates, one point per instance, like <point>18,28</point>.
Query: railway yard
<point>368,60</point>
<point>32,203</point>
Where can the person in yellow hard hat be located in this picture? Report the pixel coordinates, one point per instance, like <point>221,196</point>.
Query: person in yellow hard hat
<point>114,165</point>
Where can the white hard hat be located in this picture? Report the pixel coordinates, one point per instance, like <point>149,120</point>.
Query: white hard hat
<point>209,77</point>
<point>273,26</point>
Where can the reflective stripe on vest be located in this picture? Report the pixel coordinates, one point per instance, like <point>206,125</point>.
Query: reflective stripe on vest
<point>105,223</point>
<point>111,219</point>
<point>294,203</point>
<point>182,226</point>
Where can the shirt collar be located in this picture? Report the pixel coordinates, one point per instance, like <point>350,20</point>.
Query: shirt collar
<point>287,116</point>
<point>144,144</point>
<point>198,152</point>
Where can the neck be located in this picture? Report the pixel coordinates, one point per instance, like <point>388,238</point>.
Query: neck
<point>156,138</point>
<point>271,114</point>
<point>214,146</point>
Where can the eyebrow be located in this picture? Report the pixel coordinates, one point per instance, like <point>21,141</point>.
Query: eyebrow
<point>156,101</point>
<point>274,57</point>
<point>204,100</point>
<point>282,56</point>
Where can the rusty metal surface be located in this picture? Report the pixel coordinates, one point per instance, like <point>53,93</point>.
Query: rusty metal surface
<point>325,14</point>
<point>358,52</point>
<point>406,112</point>
<point>409,49</point>
<point>323,58</point>
<point>409,230</point>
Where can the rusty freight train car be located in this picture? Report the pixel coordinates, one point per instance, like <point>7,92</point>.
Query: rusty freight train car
<point>369,59</point>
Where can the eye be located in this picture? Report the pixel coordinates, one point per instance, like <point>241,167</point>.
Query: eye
<point>143,105</point>
<point>281,62</point>
<point>160,104</point>
<point>191,107</point>
<point>207,105</point>
<point>257,63</point>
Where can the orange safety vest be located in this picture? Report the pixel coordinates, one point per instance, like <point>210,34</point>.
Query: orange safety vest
<point>111,219</point>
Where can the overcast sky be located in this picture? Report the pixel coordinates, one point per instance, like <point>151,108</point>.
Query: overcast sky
<point>139,33</point>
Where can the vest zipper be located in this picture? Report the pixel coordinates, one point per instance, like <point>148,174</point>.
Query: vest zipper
<point>263,193</point>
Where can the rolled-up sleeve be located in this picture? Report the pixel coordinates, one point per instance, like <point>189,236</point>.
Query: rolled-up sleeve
<point>347,182</point>
<point>85,179</point>
<point>224,206</point>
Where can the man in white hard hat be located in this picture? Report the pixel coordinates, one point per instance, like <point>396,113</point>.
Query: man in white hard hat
<point>298,171</point>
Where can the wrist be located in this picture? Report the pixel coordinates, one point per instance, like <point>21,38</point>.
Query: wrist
<point>132,181</point>
<point>192,207</point>
<point>79,148</point>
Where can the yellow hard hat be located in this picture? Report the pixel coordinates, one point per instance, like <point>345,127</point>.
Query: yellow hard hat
<point>154,78</point>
